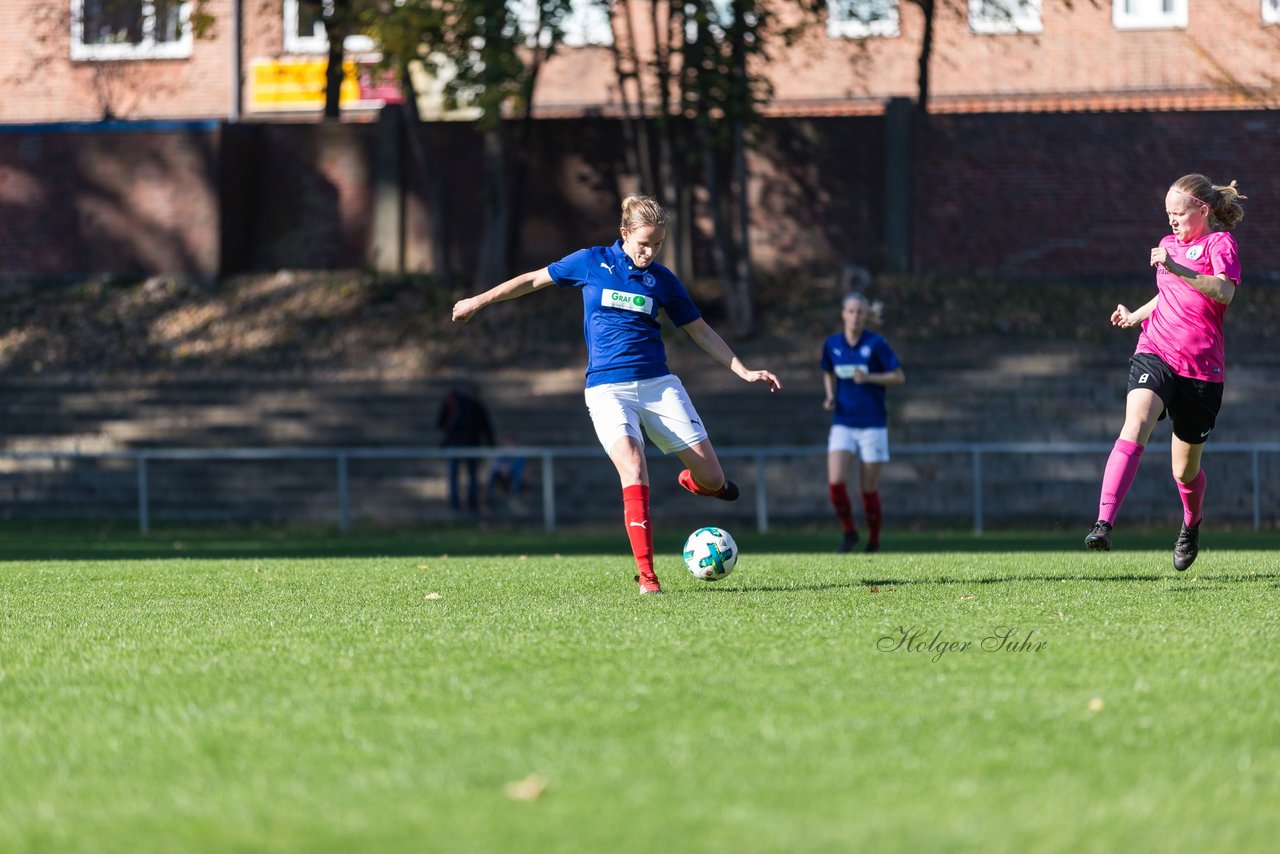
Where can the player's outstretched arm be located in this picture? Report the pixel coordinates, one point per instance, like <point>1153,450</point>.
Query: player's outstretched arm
<point>710,341</point>
<point>1124,318</point>
<point>525,283</point>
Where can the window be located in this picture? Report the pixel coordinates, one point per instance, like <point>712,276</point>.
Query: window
<point>1149,14</point>
<point>130,29</point>
<point>304,29</point>
<point>1005,16</point>
<point>859,19</point>
<point>1271,11</point>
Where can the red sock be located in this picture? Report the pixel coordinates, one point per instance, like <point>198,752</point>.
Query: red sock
<point>1192,498</point>
<point>871,506</point>
<point>844,507</point>
<point>635,509</point>
<point>687,480</point>
<point>1122,465</point>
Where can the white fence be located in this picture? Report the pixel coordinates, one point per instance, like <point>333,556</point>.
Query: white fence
<point>977,453</point>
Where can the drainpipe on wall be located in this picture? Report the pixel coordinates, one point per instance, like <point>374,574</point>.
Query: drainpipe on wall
<point>237,64</point>
<point>899,116</point>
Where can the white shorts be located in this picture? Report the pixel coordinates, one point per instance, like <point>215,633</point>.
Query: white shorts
<point>660,405</point>
<point>870,444</point>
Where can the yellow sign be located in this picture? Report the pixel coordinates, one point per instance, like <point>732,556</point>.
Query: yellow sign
<point>298,84</point>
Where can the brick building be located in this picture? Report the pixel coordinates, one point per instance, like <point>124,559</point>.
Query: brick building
<point>88,60</point>
<point>76,60</point>
<point>1089,107</point>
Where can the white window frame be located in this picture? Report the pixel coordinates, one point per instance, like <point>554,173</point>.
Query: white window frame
<point>147,48</point>
<point>317,42</point>
<point>1022,16</point>
<point>856,28</point>
<point>1271,11</point>
<point>1148,15</point>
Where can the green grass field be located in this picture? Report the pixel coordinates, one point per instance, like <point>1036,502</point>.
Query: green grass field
<point>273,691</point>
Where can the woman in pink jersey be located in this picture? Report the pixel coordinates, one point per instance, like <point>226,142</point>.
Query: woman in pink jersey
<point>1177,368</point>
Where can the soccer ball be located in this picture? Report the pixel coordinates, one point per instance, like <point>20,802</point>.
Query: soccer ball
<point>710,553</point>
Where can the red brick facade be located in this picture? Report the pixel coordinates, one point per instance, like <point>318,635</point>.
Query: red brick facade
<point>1225,57</point>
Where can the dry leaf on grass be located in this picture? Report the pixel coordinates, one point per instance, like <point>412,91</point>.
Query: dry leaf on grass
<point>529,789</point>
<point>1095,705</point>
<point>432,596</point>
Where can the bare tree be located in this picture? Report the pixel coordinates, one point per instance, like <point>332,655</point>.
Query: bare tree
<point>721,94</point>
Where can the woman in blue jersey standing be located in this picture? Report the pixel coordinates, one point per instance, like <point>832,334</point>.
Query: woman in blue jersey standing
<point>628,383</point>
<point>857,366</point>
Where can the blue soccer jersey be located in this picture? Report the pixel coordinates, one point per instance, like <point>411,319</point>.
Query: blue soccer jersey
<point>859,405</point>
<point>620,312</point>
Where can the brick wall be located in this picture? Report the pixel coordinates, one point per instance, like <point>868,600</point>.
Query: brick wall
<point>1082,193</point>
<point>1021,195</point>
<point>114,199</point>
<point>816,192</point>
<point>314,195</point>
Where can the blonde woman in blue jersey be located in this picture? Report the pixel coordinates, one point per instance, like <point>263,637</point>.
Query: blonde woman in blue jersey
<point>857,366</point>
<point>628,383</point>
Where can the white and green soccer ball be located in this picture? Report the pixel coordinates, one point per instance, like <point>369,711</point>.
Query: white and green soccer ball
<point>710,553</point>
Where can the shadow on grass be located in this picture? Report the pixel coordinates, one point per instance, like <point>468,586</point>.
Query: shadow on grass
<point>876,585</point>
<point>26,541</point>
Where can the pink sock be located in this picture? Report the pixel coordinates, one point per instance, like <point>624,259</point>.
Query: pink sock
<point>1122,465</point>
<point>1192,498</point>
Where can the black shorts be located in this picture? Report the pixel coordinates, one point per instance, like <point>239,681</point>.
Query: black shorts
<point>1192,405</point>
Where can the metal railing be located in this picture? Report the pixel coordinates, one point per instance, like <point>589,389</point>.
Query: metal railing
<point>342,457</point>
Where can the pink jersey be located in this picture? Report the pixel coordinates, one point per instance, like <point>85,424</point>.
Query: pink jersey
<point>1185,330</point>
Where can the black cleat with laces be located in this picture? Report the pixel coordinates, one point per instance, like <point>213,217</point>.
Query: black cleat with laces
<point>1187,547</point>
<point>1099,539</point>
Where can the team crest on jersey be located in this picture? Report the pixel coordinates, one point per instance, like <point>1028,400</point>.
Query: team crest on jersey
<point>627,302</point>
<point>866,351</point>
<point>648,279</point>
<point>1195,252</point>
